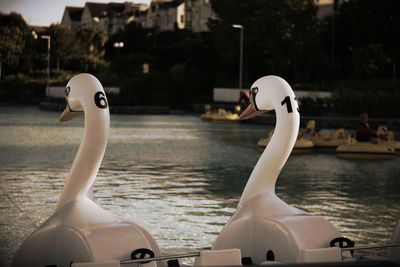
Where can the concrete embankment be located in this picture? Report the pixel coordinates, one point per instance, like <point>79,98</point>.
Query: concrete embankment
<point>322,122</point>
<point>334,122</point>
<point>267,119</point>
<point>156,110</point>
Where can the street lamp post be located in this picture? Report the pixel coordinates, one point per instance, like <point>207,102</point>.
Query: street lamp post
<point>239,26</point>
<point>48,38</point>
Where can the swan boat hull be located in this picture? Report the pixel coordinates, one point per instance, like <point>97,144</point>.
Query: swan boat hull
<point>394,144</point>
<point>368,149</point>
<point>327,143</point>
<point>328,140</point>
<point>83,232</point>
<point>79,230</point>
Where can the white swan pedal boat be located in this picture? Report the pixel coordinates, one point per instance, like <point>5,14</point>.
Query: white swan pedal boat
<point>263,230</point>
<point>80,230</point>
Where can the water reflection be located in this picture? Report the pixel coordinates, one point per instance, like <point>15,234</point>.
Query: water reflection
<point>181,178</point>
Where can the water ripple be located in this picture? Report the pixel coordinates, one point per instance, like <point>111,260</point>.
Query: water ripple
<point>181,178</point>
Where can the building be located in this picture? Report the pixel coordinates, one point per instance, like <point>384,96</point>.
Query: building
<point>108,17</point>
<point>171,16</point>
<point>150,17</point>
<point>163,15</point>
<point>72,18</point>
<point>118,15</point>
<point>327,8</point>
<point>168,15</point>
<point>197,14</point>
<point>91,14</point>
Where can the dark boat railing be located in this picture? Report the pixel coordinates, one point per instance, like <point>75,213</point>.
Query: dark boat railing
<point>364,263</point>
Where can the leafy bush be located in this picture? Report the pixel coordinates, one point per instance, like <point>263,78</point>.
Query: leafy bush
<point>378,98</point>
<point>86,64</point>
<point>179,88</point>
<point>21,89</point>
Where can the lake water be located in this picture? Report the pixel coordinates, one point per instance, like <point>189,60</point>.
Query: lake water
<point>181,178</point>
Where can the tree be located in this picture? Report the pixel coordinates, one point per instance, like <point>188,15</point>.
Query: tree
<point>135,39</point>
<point>64,45</point>
<point>368,38</point>
<point>13,34</point>
<point>181,66</point>
<point>277,35</point>
<point>92,41</point>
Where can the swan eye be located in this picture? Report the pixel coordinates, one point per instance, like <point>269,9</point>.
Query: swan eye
<point>67,90</point>
<point>254,90</point>
<point>253,93</point>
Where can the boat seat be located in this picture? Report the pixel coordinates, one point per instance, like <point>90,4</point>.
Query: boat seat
<point>343,242</point>
<point>320,255</point>
<point>222,257</point>
<point>247,261</point>
<point>112,263</point>
<point>173,263</point>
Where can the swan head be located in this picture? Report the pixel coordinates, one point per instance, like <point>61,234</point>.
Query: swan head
<point>83,91</point>
<point>265,93</point>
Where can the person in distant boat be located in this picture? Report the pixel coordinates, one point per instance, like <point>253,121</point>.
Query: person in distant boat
<point>310,129</point>
<point>383,133</point>
<point>244,99</point>
<point>363,132</point>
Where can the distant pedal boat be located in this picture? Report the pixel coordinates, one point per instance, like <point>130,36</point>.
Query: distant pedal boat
<point>386,138</point>
<point>301,143</point>
<point>365,148</point>
<point>220,115</point>
<point>332,140</point>
<point>324,140</point>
